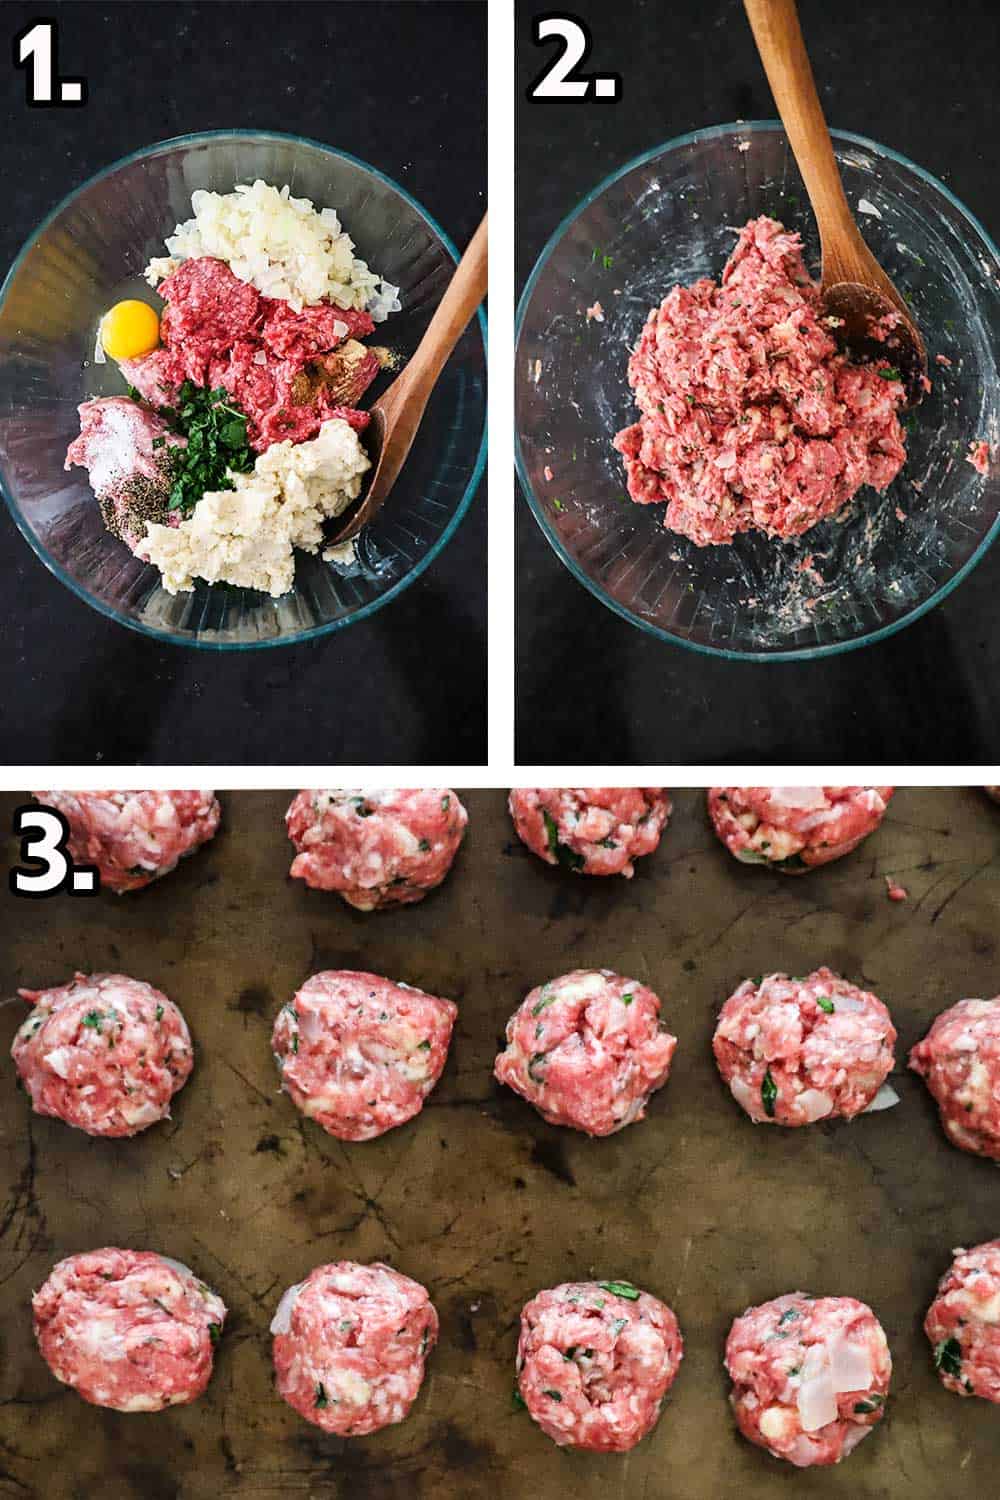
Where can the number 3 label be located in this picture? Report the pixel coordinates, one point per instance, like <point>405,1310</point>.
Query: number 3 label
<point>557,80</point>
<point>46,866</point>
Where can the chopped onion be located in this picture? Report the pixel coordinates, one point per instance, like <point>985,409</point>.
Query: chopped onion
<point>817,1401</point>
<point>884,1099</point>
<point>178,1266</point>
<point>850,1365</point>
<point>813,1104</point>
<point>59,1059</point>
<point>282,1320</point>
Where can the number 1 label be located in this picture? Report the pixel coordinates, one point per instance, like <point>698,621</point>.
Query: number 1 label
<point>36,51</point>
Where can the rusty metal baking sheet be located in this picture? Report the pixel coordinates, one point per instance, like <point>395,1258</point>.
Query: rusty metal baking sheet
<point>480,1199</point>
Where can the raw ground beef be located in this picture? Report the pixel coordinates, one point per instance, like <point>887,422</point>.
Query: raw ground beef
<point>594,830</point>
<point>594,1361</point>
<point>794,828</point>
<point>350,1345</point>
<point>376,848</point>
<point>810,1376</point>
<point>103,1053</point>
<point>128,1329</point>
<point>959,1060</point>
<point>587,1050</point>
<point>134,837</point>
<point>750,418</point>
<point>218,331</point>
<point>359,1054</point>
<point>797,1050</point>
<point>963,1323</point>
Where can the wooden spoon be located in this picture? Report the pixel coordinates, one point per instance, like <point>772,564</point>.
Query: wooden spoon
<point>397,413</point>
<point>855,287</point>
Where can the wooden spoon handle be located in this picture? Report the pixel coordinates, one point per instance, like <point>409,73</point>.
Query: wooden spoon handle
<point>776,30</point>
<point>463,295</point>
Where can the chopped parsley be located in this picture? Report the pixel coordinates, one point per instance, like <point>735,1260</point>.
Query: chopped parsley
<point>627,999</point>
<point>424,846</point>
<point>889,372</point>
<point>620,1289</point>
<point>948,1357</point>
<point>553,1395</point>
<point>568,858</point>
<point>535,1061</point>
<point>518,1400</point>
<point>93,1020</point>
<point>216,432</point>
<point>322,1399</point>
<point>445,803</point>
<point>215,1332</point>
<point>769,1094</point>
<point>159,1012</point>
<point>423,1046</point>
<point>541,1005</point>
<point>869,1404</point>
<point>825,1003</point>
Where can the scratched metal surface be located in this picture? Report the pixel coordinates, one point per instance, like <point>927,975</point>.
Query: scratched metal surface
<point>478,1198</point>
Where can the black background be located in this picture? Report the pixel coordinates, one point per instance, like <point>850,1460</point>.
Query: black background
<point>920,77</point>
<point>401,86</point>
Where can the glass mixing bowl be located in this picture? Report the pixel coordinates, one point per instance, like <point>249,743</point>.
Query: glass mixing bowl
<point>672,216</point>
<point>89,253</point>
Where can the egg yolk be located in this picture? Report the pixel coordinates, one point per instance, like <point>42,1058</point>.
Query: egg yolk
<point>129,330</point>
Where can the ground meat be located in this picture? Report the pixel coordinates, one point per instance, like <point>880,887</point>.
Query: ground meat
<point>963,1323</point>
<point>797,1050</point>
<point>587,1050</point>
<point>359,1054</point>
<point>128,1329</point>
<point>130,477</point>
<point>810,1376</point>
<point>594,1362</point>
<point>595,830</point>
<point>979,457</point>
<point>218,331</point>
<point>376,848</point>
<point>793,828</point>
<point>103,1053</point>
<point>350,1344</point>
<point>750,418</point>
<point>959,1060</point>
<point>134,837</point>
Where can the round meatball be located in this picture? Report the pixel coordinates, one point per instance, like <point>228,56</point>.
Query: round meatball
<point>594,1362</point>
<point>376,848</point>
<point>128,1329</point>
<point>359,1054</point>
<point>797,1050</point>
<point>593,830</point>
<point>793,828</point>
<point>810,1376</point>
<point>350,1344</point>
<point>963,1323</point>
<point>587,1050</point>
<point>134,837</point>
<point>959,1060</point>
<point>104,1053</point>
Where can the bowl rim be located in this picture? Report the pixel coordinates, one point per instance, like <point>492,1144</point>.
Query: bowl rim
<point>366,611</point>
<point>798,653</point>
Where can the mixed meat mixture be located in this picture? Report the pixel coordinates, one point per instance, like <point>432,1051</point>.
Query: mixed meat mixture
<point>963,1323</point>
<point>810,1376</point>
<point>359,1054</point>
<point>595,1360</point>
<point>103,1053</point>
<point>797,1050</point>
<point>959,1060</point>
<point>587,1050</point>
<point>128,1329</point>
<point>134,837</point>
<point>794,828</point>
<point>594,830</point>
<point>376,848</point>
<point>750,417</point>
<point>350,1345</point>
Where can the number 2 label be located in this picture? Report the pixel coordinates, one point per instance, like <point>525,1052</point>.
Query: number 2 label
<point>557,79</point>
<point>46,865</point>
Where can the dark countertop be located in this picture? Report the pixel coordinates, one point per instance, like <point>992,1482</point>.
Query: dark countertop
<point>380,81</point>
<point>914,77</point>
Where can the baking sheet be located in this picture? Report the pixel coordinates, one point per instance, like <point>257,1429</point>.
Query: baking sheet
<point>479,1198</point>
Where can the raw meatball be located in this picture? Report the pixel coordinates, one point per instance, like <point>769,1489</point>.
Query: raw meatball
<point>128,1329</point>
<point>963,1323</point>
<point>594,1362</point>
<point>350,1343</point>
<point>793,828</point>
<point>359,1054</point>
<point>797,1050</point>
<point>134,837</point>
<point>810,1376</point>
<point>993,792</point>
<point>594,830</point>
<point>587,1050</point>
<point>376,848</point>
<point>959,1060</point>
<point>103,1053</point>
